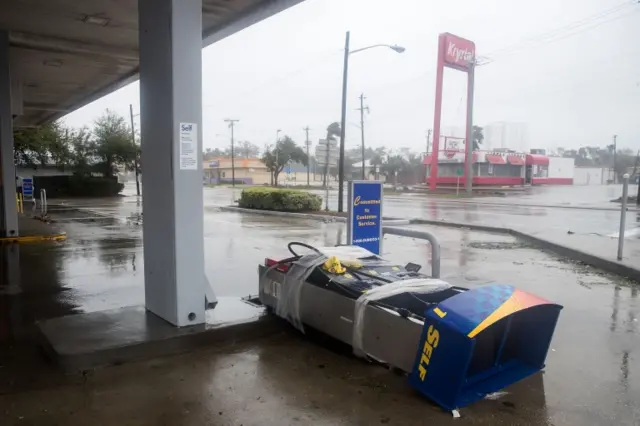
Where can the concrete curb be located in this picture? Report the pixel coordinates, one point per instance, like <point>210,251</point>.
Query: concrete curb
<point>550,206</point>
<point>75,355</point>
<point>483,228</point>
<point>390,221</point>
<point>34,238</point>
<point>283,214</point>
<point>607,265</point>
<point>562,250</point>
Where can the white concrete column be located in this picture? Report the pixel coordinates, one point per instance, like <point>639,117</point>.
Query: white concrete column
<point>171,115</point>
<point>9,210</point>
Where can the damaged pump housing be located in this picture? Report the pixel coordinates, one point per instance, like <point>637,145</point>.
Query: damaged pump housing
<point>457,345</point>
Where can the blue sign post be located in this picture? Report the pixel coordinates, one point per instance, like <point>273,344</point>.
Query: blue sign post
<point>27,188</point>
<point>364,226</point>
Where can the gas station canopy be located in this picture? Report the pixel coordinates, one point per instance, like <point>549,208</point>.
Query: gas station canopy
<point>67,53</point>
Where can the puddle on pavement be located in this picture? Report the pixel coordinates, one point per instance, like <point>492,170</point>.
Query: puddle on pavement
<point>499,245</point>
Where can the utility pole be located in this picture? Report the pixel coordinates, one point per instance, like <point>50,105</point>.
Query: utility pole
<point>428,140</point>
<point>636,175</point>
<point>468,172</point>
<point>135,161</point>
<point>362,109</point>
<point>307,143</point>
<point>232,123</point>
<point>615,155</point>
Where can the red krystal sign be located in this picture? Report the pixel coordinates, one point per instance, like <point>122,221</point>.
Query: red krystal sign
<point>458,52</point>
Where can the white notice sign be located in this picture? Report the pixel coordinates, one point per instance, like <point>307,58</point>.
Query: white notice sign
<point>188,146</point>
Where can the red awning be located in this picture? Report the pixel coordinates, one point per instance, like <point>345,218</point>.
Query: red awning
<point>515,160</point>
<point>537,159</point>
<point>496,159</point>
<point>427,159</point>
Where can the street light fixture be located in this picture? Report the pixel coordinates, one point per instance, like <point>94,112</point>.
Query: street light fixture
<point>343,124</point>
<point>394,47</point>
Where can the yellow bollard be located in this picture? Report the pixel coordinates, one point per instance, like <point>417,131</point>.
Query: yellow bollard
<point>19,203</point>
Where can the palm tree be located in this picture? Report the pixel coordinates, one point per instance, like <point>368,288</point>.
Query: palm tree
<point>377,160</point>
<point>392,166</point>
<point>478,137</point>
<point>333,131</point>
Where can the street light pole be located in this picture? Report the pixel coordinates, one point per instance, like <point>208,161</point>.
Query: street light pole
<point>343,123</point>
<point>615,154</point>
<point>233,165</point>
<point>343,118</point>
<point>469,145</point>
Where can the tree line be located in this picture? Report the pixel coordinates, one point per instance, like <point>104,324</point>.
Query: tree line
<point>592,156</point>
<point>104,148</point>
<point>395,165</point>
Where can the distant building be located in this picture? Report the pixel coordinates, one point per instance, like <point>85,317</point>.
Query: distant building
<point>252,171</point>
<point>506,135</point>
<point>501,168</point>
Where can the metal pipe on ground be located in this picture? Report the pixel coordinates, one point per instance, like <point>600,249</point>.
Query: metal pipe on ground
<point>421,235</point>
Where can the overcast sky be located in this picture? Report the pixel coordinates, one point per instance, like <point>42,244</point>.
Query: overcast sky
<point>575,82</point>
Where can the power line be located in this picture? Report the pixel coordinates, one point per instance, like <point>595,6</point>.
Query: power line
<point>579,26</point>
<point>554,32</point>
<point>581,87</point>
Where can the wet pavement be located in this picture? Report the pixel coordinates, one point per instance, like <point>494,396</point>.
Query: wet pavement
<point>512,212</point>
<point>592,376</point>
<point>592,230</point>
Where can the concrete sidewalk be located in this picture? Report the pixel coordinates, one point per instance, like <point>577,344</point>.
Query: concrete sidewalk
<point>34,230</point>
<point>595,250</point>
<point>603,247</point>
<point>282,380</point>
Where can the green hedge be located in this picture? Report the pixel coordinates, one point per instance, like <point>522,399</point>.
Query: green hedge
<point>77,186</point>
<point>283,200</point>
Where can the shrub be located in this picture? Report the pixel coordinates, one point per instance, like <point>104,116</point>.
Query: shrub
<point>283,200</point>
<point>77,186</point>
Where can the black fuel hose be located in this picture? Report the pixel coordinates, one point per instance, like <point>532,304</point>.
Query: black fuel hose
<point>298,243</point>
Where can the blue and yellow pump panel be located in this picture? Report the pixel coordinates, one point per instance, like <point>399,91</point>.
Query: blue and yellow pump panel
<point>481,341</point>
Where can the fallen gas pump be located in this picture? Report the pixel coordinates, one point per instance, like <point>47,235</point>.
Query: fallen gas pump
<point>457,345</point>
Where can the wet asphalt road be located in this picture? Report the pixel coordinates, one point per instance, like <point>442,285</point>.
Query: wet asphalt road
<point>592,375</point>
<point>516,212</point>
<point>541,209</point>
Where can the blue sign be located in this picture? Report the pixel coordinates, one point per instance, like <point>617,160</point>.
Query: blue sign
<point>364,228</point>
<point>214,163</point>
<point>27,187</point>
